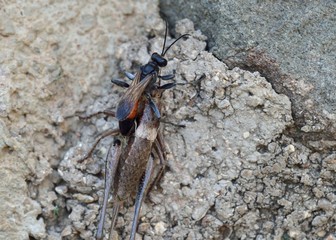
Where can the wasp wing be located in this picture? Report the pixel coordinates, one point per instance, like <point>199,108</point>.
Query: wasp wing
<point>128,105</point>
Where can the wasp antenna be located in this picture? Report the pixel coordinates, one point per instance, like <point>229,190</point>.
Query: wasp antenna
<point>165,38</point>
<point>184,35</point>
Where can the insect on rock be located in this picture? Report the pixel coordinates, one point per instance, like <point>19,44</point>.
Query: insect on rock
<point>130,105</point>
<point>130,166</point>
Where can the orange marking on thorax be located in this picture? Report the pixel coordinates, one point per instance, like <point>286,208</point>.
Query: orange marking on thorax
<point>134,111</point>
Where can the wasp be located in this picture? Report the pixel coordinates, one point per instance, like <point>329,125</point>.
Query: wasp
<point>130,105</point>
<point>130,167</point>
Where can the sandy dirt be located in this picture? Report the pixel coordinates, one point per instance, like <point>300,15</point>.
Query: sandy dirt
<point>231,172</point>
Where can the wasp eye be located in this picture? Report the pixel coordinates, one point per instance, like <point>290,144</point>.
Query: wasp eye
<point>161,61</point>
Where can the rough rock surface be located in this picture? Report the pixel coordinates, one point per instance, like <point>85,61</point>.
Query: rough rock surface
<point>231,171</point>
<point>55,58</point>
<point>291,43</point>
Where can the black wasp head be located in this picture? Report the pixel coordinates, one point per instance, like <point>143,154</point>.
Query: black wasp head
<point>159,60</point>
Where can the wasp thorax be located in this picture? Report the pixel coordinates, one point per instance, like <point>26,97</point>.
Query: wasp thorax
<point>149,68</point>
<point>161,61</point>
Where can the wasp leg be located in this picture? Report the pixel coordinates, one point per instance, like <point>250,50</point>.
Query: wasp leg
<point>106,112</point>
<point>167,77</point>
<point>120,83</point>
<point>142,189</point>
<point>112,161</point>
<point>105,134</point>
<point>154,107</point>
<point>174,124</point>
<point>129,75</point>
<point>167,86</point>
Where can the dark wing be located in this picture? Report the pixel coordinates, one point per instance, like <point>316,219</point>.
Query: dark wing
<point>128,105</point>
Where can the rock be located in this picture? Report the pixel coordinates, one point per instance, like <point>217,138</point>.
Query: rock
<point>292,45</point>
<point>235,154</point>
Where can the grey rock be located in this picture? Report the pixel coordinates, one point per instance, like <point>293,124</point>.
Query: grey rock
<point>292,44</point>
<point>234,156</point>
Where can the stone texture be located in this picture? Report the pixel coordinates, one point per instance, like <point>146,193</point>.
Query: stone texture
<point>55,58</point>
<point>291,43</point>
<point>232,170</point>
